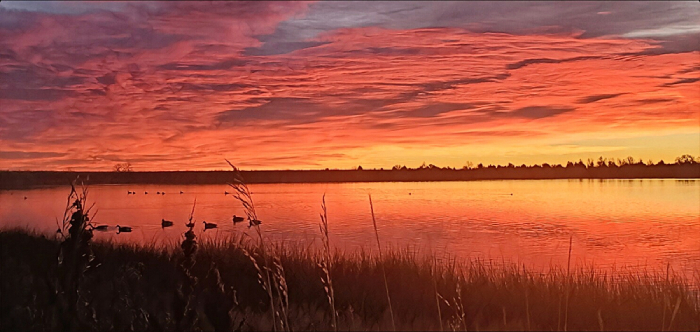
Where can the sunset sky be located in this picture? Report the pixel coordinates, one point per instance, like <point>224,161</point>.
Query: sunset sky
<point>181,86</point>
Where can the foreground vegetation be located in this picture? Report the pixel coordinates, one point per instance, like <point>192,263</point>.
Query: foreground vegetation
<point>144,288</point>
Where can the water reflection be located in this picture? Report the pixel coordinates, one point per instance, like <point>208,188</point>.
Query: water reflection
<point>613,222</point>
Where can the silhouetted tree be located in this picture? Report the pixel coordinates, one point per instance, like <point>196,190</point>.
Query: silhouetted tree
<point>589,163</point>
<point>123,167</point>
<point>685,159</point>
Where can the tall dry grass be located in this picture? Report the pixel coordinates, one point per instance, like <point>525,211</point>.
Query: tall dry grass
<point>134,289</point>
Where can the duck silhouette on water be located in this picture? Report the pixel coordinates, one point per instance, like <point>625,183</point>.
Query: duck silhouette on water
<point>209,225</point>
<point>237,219</point>
<point>253,222</point>
<point>165,223</point>
<point>123,229</point>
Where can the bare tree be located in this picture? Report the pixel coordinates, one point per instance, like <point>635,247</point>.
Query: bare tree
<point>123,167</point>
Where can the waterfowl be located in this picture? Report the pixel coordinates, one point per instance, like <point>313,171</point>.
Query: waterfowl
<point>158,193</point>
<point>225,193</point>
<point>145,192</point>
<point>165,223</point>
<point>237,219</point>
<point>180,192</point>
<point>123,229</point>
<point>208,225</point>
<point>25,197</point>
<point>254,222</point>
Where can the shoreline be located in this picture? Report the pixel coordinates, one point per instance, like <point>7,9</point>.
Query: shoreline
<point>33,179</point>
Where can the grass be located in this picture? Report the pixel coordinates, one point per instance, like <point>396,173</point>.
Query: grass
<point>135,288</point>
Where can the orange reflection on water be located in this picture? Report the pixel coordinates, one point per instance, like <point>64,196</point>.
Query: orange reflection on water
<point>612,222</point>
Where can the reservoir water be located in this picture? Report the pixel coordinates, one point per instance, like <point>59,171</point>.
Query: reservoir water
<point>651,224</point>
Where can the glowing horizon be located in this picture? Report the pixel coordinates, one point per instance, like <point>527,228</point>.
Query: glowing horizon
<point>292,85</point>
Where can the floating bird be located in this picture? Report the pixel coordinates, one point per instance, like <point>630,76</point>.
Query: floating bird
<point>145,192</point>
<point>225,192</point>
<point>180,192</point>
<point>190,224</point>
<point>208,225</point>
<point>158,193</point>
<point>254,222</point>
<point>165,223</point>
<point>123,229</point>
<point>25,197</point>
<point>237,219</point>
<point>163,193</point>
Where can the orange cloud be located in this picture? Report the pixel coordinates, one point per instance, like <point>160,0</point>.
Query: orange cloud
<point>184,88</point>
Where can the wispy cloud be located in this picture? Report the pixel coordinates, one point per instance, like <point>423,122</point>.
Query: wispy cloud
<point>331,84</point>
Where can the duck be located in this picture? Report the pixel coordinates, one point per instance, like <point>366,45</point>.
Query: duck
<point>209,225</point>
<point>165,223</point>
<point>253,222</point>
<point>157,192</point>
<point>163,193</point>
<point>181,192</point>
<point>226,193</point>
<point>237,219</point>
<point>123,229</point>
<point>100,227</point>
<point>145,192</point>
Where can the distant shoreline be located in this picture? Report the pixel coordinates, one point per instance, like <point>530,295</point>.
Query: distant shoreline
<point>32,179</point>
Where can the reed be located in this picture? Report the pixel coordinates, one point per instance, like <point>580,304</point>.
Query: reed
<point>386,284</point>
<point>326,263</point>
<point>272,274</point>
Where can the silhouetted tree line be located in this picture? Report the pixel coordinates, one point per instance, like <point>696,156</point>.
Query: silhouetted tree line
<point>684,167</point>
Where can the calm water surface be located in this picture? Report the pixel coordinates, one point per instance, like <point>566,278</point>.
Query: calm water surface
<point>648,223</point>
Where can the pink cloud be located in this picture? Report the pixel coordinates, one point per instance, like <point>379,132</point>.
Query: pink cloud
<point>178,87</point>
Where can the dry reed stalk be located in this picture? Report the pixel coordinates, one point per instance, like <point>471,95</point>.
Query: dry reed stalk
<point>381,261</point>
<point>568,281</point>
<point>326,264</point>
<point>437,295</point>
<point>184,299</point>
<point>244,196</point>
<point>75,259</point>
